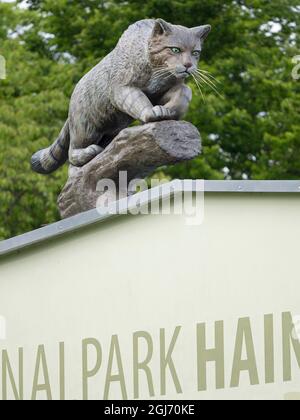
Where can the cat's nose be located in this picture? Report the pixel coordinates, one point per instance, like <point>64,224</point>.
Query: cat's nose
<point>188,65</point>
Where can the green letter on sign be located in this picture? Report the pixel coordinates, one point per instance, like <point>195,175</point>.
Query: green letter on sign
<point>213,355</point>
<point>287,340</point>
<point>244,334</point>
<point>41,364</point>
<point>86,372</point>
<point>6,368</point>
<point>115,350</point>
<point>137,365</point>
<point>167,361</point>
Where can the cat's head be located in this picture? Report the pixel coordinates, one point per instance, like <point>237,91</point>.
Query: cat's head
<point>176,49</point>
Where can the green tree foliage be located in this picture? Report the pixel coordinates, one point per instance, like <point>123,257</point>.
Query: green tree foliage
<point>252,132</point>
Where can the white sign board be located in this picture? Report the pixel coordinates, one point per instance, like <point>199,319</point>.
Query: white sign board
<point>149,307</point>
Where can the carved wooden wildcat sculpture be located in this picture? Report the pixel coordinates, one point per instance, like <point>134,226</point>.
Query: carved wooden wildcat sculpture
<point>141,79</point>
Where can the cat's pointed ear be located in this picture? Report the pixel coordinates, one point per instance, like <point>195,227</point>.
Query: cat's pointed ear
<point>161,27</point>
<point>202,31</point>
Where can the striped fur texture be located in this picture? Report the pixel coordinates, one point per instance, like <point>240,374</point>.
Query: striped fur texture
<point>48,160</point>
<point>143,79</point>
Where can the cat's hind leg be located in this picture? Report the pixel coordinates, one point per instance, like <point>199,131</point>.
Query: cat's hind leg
<point>85,137</point>
<point>79,157</point>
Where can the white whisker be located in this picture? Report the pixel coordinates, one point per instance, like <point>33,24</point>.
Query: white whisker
<point>210,84</point>
<point>199,87</point>
<point>208,74</point>
<point>207,79</point>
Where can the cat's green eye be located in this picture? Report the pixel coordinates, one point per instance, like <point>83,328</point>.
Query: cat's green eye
<point>196,54</point>
<point>175,50</point>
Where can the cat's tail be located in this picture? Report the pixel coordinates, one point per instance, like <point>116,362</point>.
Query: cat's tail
<point>48,160</point>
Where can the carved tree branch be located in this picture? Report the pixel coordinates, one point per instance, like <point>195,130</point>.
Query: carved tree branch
<point>137,150</point>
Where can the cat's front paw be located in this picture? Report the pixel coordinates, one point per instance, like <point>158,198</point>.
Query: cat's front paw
<point>158,113</point>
